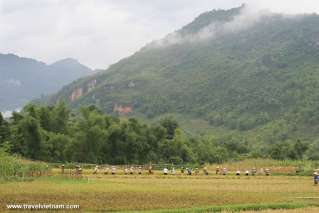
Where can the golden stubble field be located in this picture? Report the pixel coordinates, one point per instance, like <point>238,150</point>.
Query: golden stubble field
<point>153,192</point>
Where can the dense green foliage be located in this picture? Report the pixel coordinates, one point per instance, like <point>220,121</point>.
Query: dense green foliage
<point>11,166</point>
<point>54,134</point>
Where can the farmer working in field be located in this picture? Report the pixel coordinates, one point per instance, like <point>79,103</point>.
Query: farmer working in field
<point>247,173</point>
<point>267,172</point>
<point>113,171</point>
<point>62,169</point>
<point>253,171</point>
<point>189,171</point>
<point>238,173</point>
<point>316,178</point>
<point>225,171</point>
<point>106,170</point>
<point>217,170</point>
<point>165,171</point>
<point>196,171</point>
<point>139,170</point>
<point>80,171</point>
<point>96,170</point>
<point>131,170</point>
<point>77,167</point>
<point>173,172</point>
<point>150,170</point>
<point>126,171</point>
<point>182,170</point>
<point>205,171</point>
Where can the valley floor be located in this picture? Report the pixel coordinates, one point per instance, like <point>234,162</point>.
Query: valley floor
<point>157,192</point>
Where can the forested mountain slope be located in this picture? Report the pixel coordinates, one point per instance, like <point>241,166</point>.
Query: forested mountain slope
<point>236,69</point>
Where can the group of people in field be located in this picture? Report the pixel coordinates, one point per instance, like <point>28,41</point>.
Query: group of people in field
<point>130,170</point>
<point>127,170</point>
<point>188,171</point>
<point>218,171</point>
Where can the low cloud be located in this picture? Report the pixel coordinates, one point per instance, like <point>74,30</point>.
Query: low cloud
<point>246,19</point>
<point>101,32</point>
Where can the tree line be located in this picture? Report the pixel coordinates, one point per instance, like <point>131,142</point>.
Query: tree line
<point>55,134</point>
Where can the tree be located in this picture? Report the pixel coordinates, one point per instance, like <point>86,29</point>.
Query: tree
<point>29,130</point>
<point>4,130</point>
<point>170,124</point>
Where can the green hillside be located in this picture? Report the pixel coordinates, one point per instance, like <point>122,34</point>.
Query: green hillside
<point>228,70</point>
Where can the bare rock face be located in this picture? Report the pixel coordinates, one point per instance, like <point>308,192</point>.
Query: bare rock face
<point>76,94</point>
<point>123,110</point>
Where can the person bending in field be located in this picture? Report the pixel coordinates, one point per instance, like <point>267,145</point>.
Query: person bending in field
<point>113,171</point>
<point>165,171</point>
<point>205,171</point>
<point>315,178</point>
<point>132,170</point>
<point>126,171</point>
<point>62,169</point>
<point>267,172</point>
<point>237,173</point>
<point>254,171</point>
<point>189,171</point>
<point>217,170</point>
<point>173,172</point>
<point>182,170</point>
<point>225,171</point>
<point>96,170</point>
<point>196,171</point>
<point>77,168</point>
<point>80,171</point>
<point>247,173</point>
<point>150,170</point>
<point>106,171</point>
<point>139,170</point>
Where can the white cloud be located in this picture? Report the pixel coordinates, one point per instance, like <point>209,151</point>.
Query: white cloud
<point>100,32</point>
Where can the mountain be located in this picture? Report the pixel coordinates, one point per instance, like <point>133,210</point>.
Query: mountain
<point>23,79</point>
<point>236,70</point>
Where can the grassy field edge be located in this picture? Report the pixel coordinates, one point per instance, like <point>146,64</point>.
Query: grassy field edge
<point>232,208</point>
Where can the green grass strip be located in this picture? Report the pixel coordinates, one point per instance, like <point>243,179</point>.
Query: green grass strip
<point>233,208</point>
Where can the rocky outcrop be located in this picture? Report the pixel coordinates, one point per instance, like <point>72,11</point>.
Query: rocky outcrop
<point>123,110</point>
<point>76,94</point>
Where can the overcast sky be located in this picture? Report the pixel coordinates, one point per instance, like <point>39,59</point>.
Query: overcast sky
<point>101,32</point>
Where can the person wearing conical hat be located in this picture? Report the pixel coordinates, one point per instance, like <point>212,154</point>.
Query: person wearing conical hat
<point>165,171</point>
<point>106,170</point>
<point>182,170</point>
<point>225,171</point>
<point>238,173</point>
<point>126,171</point>
<point>139,170</point>
<point>217,170</point>
<point>131,170</point>
<point>189,171</point>
<point>113,170</point>
<point>205,171</point>
<point>150,170</point>
<point>196,171</point>
<point>253,171</point>
<point>315,178</point>
<point>77,167</point>
<point>173,172</point>
<point>247,173</point>
<point>80,171</point>
<point>62,169</point>
<point>267,171</point>
<point>96,170</point>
